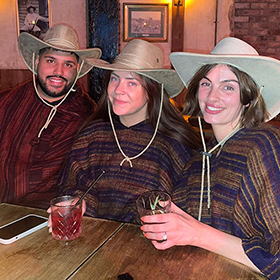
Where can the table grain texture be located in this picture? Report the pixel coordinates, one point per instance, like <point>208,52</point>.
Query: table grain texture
<point>129,251</point>
<point>39,256</point>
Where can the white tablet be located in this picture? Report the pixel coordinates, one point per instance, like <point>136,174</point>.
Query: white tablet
<point>21,227</point>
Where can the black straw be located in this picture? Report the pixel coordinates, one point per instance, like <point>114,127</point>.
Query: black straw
<point>92,185</point>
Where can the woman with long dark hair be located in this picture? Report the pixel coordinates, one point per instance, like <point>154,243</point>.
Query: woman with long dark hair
<point>136,136</point>
<point>228,197</point>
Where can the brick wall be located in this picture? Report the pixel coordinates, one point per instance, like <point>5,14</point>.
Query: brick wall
<point>258,23</point>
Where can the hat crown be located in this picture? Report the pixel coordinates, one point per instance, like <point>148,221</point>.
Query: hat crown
<point>265,71</point>
<point>59,37</point>
<point>145,59</point>
<point>233,46</point>
<point>139,54</point>
<point>62,36</point>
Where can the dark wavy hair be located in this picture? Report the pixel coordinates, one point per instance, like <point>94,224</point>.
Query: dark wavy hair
<point>171,123</point>
<point>253,114</point>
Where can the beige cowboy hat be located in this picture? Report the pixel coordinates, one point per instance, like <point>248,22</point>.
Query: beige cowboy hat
<point>235,52</point>
<point>60,37</point>
<point>145,59</point>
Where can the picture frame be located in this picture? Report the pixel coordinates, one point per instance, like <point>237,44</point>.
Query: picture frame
<point>33,16</point>
<point>147,21</point>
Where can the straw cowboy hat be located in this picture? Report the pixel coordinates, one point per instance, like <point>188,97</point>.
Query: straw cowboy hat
<point>235,52</point>
<point>59,37</point>
<point>145,59</point>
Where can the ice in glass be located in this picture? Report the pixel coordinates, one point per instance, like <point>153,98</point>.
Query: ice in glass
<point>66,218</point>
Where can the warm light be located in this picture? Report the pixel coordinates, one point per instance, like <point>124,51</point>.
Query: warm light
<point>188,2</point>
<point>33,22</point>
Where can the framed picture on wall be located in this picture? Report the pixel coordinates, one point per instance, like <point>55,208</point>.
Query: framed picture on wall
<point>33,17</point>
<point>149,21</point>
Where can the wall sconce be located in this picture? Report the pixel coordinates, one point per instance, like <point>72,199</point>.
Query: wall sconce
<point>178,3</point>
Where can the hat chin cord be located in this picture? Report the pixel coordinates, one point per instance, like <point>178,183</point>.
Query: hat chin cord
<point>207,155</point>
<point>126,158</point>
<point>53,107</point>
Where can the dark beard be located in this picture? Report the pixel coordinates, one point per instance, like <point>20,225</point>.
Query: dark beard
<point>44,88</point>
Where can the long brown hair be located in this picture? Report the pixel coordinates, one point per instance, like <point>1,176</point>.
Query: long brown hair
<point>172,122</point>
<point>253,114</point>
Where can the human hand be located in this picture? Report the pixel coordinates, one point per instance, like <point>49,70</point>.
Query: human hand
<point>179,227</point>
<point>50,220</point>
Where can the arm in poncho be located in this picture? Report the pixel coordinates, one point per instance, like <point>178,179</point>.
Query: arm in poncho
<point>257,209</point>
<point>76,176</point>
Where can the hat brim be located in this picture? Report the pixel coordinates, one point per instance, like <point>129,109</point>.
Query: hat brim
<point>29,45</point>
<point>31,7</point>
<point>264,70</point>
<point>168,77</point>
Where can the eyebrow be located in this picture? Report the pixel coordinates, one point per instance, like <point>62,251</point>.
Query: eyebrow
<point>127,78</point>
<point>49,56</point>
<point>231,80</point>
<point>224,81</point>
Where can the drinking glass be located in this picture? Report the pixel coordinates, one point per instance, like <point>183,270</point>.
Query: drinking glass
<point>153,202</point>
<point>66,218</point>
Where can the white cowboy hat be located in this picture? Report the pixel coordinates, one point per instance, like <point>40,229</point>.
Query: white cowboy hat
<point>145,59</point>
<point>232,51</point>
<point>60,37</point>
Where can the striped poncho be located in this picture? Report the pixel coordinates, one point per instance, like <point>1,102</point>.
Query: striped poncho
<point>29,166</point>
<point>114,196</point>
<point>245,193</point>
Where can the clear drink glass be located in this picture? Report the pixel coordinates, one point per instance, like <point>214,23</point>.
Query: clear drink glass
<point>66,219</point>
<point>153,202</point>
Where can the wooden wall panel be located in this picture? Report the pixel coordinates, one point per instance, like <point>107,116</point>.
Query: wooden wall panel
<point>177,41</point>
<point>13,77</point>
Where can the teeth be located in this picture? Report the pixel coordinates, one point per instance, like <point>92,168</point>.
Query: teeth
<point>214,109</point>
<point>56,80</point>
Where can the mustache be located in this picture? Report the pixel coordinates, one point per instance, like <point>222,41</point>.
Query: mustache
<point>57,76</point>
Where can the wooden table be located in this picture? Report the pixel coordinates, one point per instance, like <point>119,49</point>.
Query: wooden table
<point>105,250</point>
<point>39,256</point>
<point>129,251</point>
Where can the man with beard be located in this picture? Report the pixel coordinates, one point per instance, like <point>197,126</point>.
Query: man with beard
<point>39,119</point>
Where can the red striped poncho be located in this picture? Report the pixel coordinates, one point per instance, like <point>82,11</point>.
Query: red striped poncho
<point>29,167</point>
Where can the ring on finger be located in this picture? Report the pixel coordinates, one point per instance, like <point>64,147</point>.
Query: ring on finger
<point>165,236</point>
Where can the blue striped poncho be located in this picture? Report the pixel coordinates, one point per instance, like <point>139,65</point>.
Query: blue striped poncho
<point>245,193</point>
<point>114,196</point>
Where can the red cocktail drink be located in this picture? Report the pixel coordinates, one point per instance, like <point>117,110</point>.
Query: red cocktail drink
<point>66,220</point>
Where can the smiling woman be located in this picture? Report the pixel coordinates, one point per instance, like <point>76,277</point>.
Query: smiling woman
<point>219,100</point>
<point>136,135</point>
<point>128,97</point>
<point>237,214</point>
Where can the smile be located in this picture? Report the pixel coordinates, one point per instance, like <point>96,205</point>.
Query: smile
<point>213,108</point>
<point>56,80</point>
